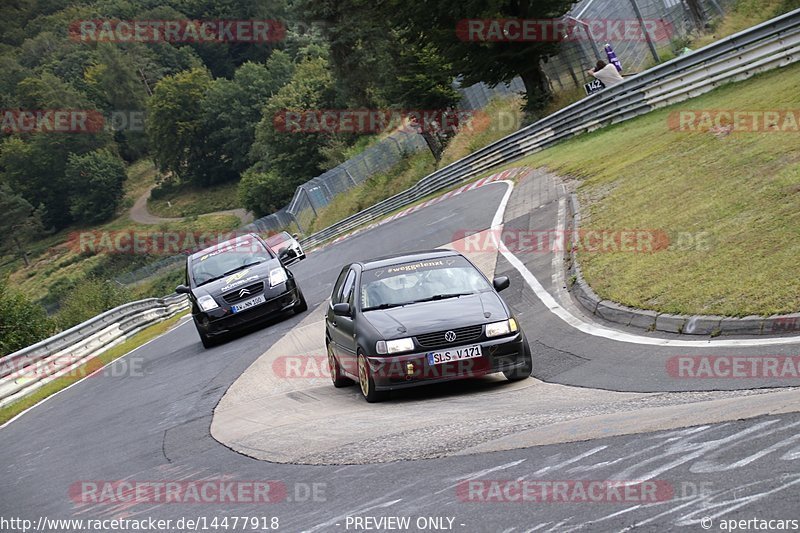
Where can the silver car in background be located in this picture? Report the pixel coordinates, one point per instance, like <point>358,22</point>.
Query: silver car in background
<point>284,241</point>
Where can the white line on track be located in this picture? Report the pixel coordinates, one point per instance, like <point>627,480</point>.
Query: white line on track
<point>601,331</point>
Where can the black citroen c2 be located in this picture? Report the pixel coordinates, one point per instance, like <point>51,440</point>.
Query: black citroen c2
<point>237,283</point>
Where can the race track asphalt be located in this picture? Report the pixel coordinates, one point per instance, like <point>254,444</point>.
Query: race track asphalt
<point>150,422</point>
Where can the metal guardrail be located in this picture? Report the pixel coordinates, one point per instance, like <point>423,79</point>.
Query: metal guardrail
<point>26,370</point>
<point>769,45</point>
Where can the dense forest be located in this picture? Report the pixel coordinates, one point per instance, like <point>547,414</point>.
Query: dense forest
<point>208,107</point>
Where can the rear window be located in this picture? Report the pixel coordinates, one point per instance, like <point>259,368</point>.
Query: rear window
<point>279,241</point>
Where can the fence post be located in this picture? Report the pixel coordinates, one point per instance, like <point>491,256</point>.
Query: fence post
<point>347,171</point>
<point>645,32</point>
<point>308,199</point>
<point>297,222</point>
<point>718,7</point>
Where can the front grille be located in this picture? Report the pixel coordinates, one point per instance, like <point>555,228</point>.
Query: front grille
<point>236,295</point>
<point>463,335</point>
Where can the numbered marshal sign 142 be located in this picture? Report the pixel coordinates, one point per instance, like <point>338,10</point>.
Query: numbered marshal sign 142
<point>593,87</point>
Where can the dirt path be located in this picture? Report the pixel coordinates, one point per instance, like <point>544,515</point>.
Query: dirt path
<point>141,215</point>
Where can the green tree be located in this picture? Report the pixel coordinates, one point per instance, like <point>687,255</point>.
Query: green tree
<point>22,322</point>
<point>34,164</point>
<point>20,223</point>
<point>264,193</point>
<point>174,125</point>
<point>476,61</point>
<point>296,157</point>
<point>360,31</point>
<point>35,167</point>
<point>231,109</point>
<point>362,47</point>
<point>98,179</point>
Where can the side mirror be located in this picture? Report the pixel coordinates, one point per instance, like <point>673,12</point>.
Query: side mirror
<point>296,236</point>
<point>183,289</point>
<point>342,309</point>
<point>500,283</point>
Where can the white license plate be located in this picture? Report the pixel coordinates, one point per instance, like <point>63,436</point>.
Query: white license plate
<point>454,354</point>
<point>252,302</point>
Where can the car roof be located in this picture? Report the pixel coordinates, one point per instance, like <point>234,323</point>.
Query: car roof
<point>407,257</point>
<point>224,244</point>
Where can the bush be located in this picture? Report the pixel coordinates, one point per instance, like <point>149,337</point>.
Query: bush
<point>22,322</point>
<point>89,298</point>
<point>98,178</point>
<point>264,193</point>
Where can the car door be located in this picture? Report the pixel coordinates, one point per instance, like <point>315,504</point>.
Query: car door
<point>336,296</point>
<point>343,327</point>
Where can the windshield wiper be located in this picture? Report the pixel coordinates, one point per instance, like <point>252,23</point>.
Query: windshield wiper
<point>442,297</point>
<point>431,299</point>
<point>384,306</point>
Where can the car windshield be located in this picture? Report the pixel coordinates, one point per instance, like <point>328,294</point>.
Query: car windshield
<point>431,279</point>
<point>279,241</point>
<point>228,259</point>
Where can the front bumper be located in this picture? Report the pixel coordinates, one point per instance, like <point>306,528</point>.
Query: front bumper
<point>296,254</point>
<point>280,299</point>
<point>499,355</point>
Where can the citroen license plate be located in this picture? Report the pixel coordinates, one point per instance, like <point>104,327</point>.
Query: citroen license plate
<point>247,304</point>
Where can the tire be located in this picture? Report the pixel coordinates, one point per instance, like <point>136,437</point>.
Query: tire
<point>524,372</point>
<point>302,306</point>
<point>207,341</point>
<point>338,379</point>
<point>366,383</point>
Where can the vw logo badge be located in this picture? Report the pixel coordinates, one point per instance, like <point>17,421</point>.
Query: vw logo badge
<point>450,336</point>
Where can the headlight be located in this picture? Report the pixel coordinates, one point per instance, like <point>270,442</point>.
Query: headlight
<point>495,329</point>
<point>207,303</point>
<point>277,276</point>
<point>395,346</point>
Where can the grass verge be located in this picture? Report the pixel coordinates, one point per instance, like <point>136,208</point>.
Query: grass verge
<point>58,260</point>
<point>745,14</point>
<point>498,119</point>
<point>10,411</point>
<point>729,202</point>
<point>185,200</point>
<point>377,188</point>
